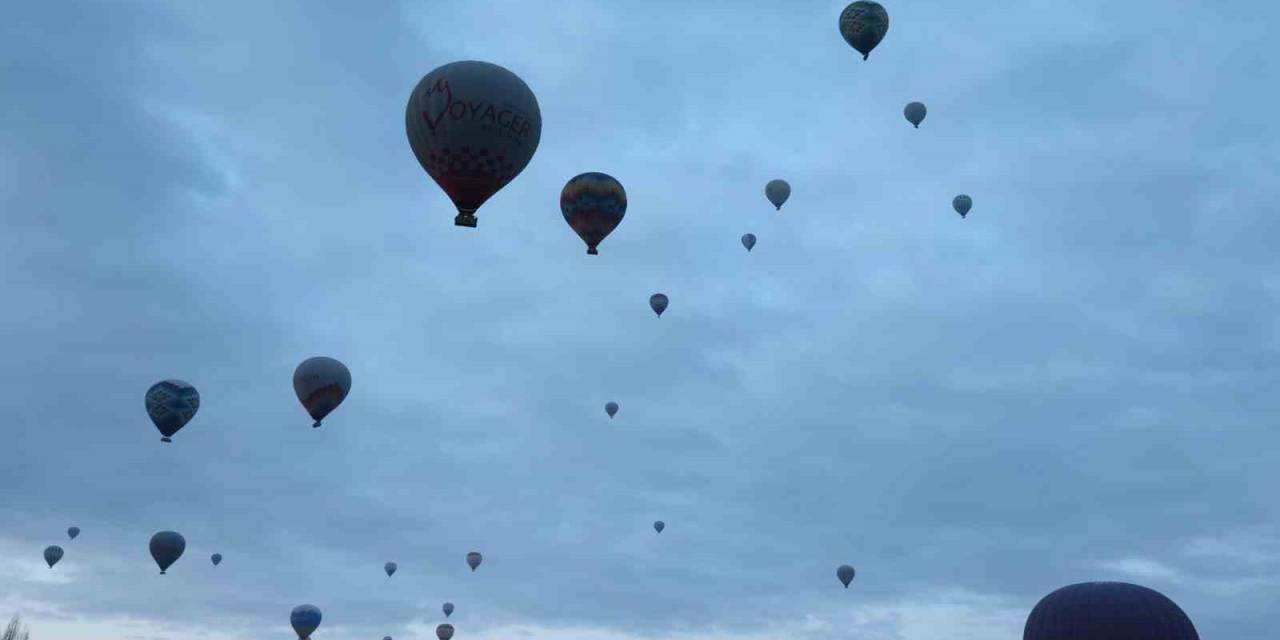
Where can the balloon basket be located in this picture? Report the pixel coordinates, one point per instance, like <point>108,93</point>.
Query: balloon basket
<point>465,220</point>
<point>166,439</point>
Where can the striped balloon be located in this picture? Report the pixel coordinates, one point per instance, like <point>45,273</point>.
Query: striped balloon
<point>593,204</point>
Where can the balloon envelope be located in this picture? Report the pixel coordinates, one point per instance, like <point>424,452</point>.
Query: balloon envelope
<point>305,619</point>
<point>448,609</point>
<point>52,554</point>
<point>593,204</point>
<point>321,385</point>
<point>171,404</point>
<point>166,548</point>
<point>658,302</point>
<point>73,532</point>
<point>845,573</point>
<point>390,568</point>
<point>216,559</point>
<point>777,191</point>
<point>474,559</point>
<point>962,204</point>
<point>749,241</point>
<point>611,408</point>
<point>473,127</point>
<point>863,25</point>
<point>915,112</point>
<point>444,631</point>
<point>659,525</point>
<point>1107,611</point>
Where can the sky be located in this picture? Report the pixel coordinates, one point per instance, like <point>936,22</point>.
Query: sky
<point>1075,383</point>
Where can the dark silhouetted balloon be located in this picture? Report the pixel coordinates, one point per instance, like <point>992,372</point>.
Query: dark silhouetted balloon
<point>611,408</point>
<point>658,302</point>
<point>962,204</point>
<point>216,559</point>
<point>305,619</point>
<point>321,384</point>
<point>73,532</point>
<point>474,127</point>
<point>390,568</point>
<point>593,204</point>
<point>448,609</point>
<point>915,112</point>
<point>444,631</point>
<point>863,25</point>
<point>659,525</point>
<point>166,548</point>
<point>749,241</point>
<point>777,191</point>
<point>474,559</point>
<point>845,574</point>
<point>171,405</point>
<point>52,554</point>
<point>1107,611</point>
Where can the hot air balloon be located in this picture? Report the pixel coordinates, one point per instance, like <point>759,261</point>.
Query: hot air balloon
<point>474,127</point>
<point>390,568</point>
<point>73,532</point>
<point>777,191</point>
<point>171,405</point>
<point>659,525</point>
<point>863,25</point>
<point>166,548</point>
<point>962,204</point>
<point>611,408</point>
<point>448,609</point>
<point>658,302</point>
<point>749,241</point>
<point>216,559</point>
<point>593,204</point>
<point>1107,611</point>
<point>444,631</point>
<point>915,112</point>
<point>386,637</point>
<point>305,619</point>
<point>52,554</point>
<point>845,574</point>
<point>321,384</point>
<point>474,559</point>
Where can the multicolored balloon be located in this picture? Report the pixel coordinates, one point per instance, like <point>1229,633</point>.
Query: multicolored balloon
<point>474,559</point>
<point>305,619</point>
<point>863,25</point>
<point>593,204</point>
<point>166,548</point>
<point>658,302</point>
<point>962,204</point>
<point>915,113</point>
<point>171,404</point>
<point>474,127</point>
<point>52,554</point>
<point>749,240</point>
<point>321,384</point>
<point>777,191</point>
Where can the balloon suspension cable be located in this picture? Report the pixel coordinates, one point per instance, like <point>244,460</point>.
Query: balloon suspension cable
<point>465,218</point>
<point>591,251</point>
<point>166,439</point>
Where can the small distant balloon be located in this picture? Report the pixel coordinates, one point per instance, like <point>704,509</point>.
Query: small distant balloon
<point>390,568</point>
<point>448,609</point>
<point>659,525</point>
<point>305,619</point>
<point>52,554</point>
<point>444,631</point>
<point>166,548</point>
<point>863,25</point>
<point>845,574</point>
<point>915,112</point>
<point>611,408</point>
<point>749,241</point>
<point>171,404</point>
<point>962,204</point>
<point>321,384</point>
<point>777,191</point>
<point>216,559</point>
<point>73,532</point>
<point>474,559</point>
<point>593,204</point>
<point>658,302</point>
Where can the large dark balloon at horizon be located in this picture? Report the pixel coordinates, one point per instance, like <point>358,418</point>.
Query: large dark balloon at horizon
<point>1108,611</point>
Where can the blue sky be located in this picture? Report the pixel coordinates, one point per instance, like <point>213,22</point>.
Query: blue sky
<point>1075,383</point>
